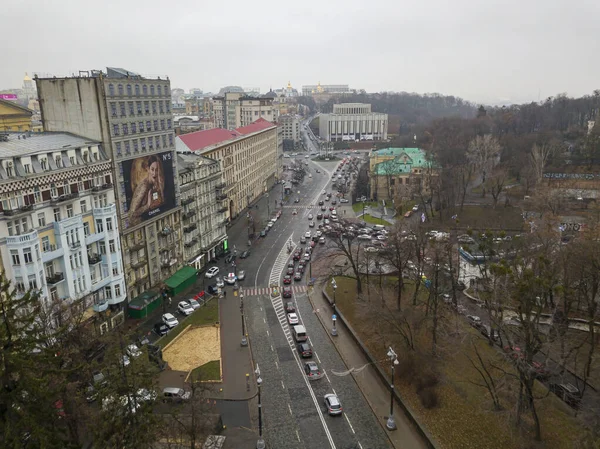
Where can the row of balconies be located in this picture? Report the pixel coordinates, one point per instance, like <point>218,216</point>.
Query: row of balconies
<point>188,215</point>
<point>22,209</point>
<point>102,187</point>
<point>190,228</point>
<point>65,197</point>
<point>187,201</point>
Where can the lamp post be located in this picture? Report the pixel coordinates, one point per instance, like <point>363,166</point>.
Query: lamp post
<point>391,424</point>
<point>260,444</point>
<point>268,210</point>
<point>334,285</point>
<point>244,339</point>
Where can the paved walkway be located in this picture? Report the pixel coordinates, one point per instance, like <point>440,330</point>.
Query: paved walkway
<point>375,392</point>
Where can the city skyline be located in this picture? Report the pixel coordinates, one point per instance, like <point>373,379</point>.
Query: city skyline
<point>480,52</point>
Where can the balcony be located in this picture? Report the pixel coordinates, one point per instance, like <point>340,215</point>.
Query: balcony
<point>55,278</point>
<point>190,228</point>
<point>141,280</point>
<point>220,186</point>
<point>165,231</point>
<point>65,197</point>
<point>20,210</point>
<point>75,245</point>
<point>187,201</point>
<point>102,187</point>
<point>168,263</point>
<point>222,210</point>
<point>137,246</point>
<point>188,215</point>
<point>138,263</point>
<point>94,259</point>
<point>190,243</point>
<point>100,306</point>
<point>222,196</point>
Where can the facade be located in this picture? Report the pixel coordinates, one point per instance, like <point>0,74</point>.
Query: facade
<point>312,89</point>
<point>131,116</point>
<point>248,158</point>
<point>235,109</point>
<point>29,91</point>
<point>14,117</point>
<point>204,225</point>
<point>59,226</point>
<point>399,173</point>
<point>353,122</point>
<point>287,92</point>
<point>290,126</point>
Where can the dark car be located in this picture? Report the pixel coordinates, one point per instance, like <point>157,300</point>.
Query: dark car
<point>304,350</point>
<point>312,370</point>
<point>301,267</point>
<point>297,200</point>
<point>245,254</point>
<point>297,255</point>
<point>291,264</point>
<point>229,258</point>
<point>212,289</point>
<point>298,276</point>
<point>290,271</point>
<point>319,216</point>
<point>289,307</point>
<point>323,208</point>
<point>326,216</point>
<point>287,279</point>
<point>263,233</point>
<point>334,202</point>
<point>161,329</point>
<point>321,203</point>
<point>568,393</point>
<point>287,291</point>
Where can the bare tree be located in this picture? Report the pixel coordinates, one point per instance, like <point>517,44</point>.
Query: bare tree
<point>495,184</point>
<point>345,246</point>
<point>539,157</point>
<point>484,152</point>
<point>397,254</point>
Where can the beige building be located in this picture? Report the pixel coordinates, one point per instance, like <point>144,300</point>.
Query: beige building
<point>236,109</point>
<point>248,157</point>
<point>353,122</point>
<point>203,218</point>
<point>290,125</point>
<point>59,227</point>
<point>131,115</point>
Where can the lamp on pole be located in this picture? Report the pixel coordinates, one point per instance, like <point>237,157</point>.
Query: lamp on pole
<point>244,339</point>
<point>260,444</point>
<point>334,285</point>
<point>268,211</point>
<point>391,424</point>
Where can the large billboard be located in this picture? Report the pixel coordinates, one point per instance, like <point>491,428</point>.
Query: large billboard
<point>11,97</point>
<point>149,186</point>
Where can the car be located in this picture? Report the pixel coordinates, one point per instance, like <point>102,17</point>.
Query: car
<point>323,208</point>
<point>289,306</point>
<point>344,200</point>
<point>321,203</point>
<point>294,212</point>
<point>311,224</point>
<point>322,240</point>
<point>319,216</point>
<point>334,202</point>
<point>307,234</point>
<point>310,216</point>
<point>298,274</point>
<point>326,221</point>
<point>333,404</point>
<point>286,292</point>
<point>170,320</point>
<point>229,258</point>
<point>312,370</point>
<point>292,319</point>
<point>464,238</point>
<point>323,192</point>
<point>297,200</point>
<point>220,282</point>
<point>297,255</point>
<point>371,249</point>
<point>318,171</point>
<point>184,308</point>
<point>171,394</point>
<point>514,352</point>
<point>319,233</point>
<point>326,216</point>
<point>192,302</point>
<point>312,244</point>
<point>307,259</point>
<point>364,237</point>
<point>125,361</point>
<point>231,278</point>
<point>568,392</point>
<point>303,239</point>
<point>486,330</point>
<point>263,233</point>
<point>381,237</point>
<point>245,254</point>
<point>474,320</point>
<point>133,351</point>
<point>415,208</point>
<point>291,264</point>
<point>289,271</point>
<point>160,329</point>
<point>304,350</point>
<point>212,289</point>
<point>211,272</point>
<point>301,267</point>
<point>287,279</point>
<point>241,275</point>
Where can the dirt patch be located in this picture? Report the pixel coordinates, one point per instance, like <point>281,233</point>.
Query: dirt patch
<point>194,347</point>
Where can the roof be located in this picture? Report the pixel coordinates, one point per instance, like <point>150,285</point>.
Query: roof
<point>411,152</point>
<point>270,94</point>
<point>23,144</point>
<point>404,159</point>
<point>260,125</point>
<point>201,139</point>
<point>12,104</point>
<point>118,72</point>
<point>392,167</point>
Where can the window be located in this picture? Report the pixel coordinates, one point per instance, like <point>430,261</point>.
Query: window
<point>164,140</point>
<point>160,107</point>
<point>66,188</point>
<point>27,168</point>
<point>72,261</point>
<point>58,160</point>
<point>146,107</point>
<point>99,225</point>
<point>141,127</point>
<point>127,148</point>
<point>159,89</point>
<point>129,90</point>
<point>102,247</point>
<point>118,290</point>
<point>19,285</point>
<point>80,185</point>
<point>157,141</point>
<point>57,214</point>
<point>111,90</point>
<point>137,89</point>
<point>27,255</point>
<point>41,219</point>
<point>109,225</point>
<point>155,125</point>
<point>143,142</point>
<point>125,129</point>
<point>70,211</point>
<point>72,160</point>
<point>113,109</point>
<point>148,126</point>
<point>154,107</point>
<point>152,89</point>
<point>135,146</point>
<point>167,107</point>
<point>120,89</point>
<point>86,228</point>
<point>32,282</point>
<point>150,144</point>
<point>162,124</point>
<point>168,123</point>
<point>45,243</point>
<point>116,130</point>
<point>131,109</point>
<point>14,254</point>
<point>133,128</point>
<point>44,163</point>
<point>118,147</point>
<point>171,139</point>
<point>111,246</point>
<point>108,292</point>
<point>122,108</point>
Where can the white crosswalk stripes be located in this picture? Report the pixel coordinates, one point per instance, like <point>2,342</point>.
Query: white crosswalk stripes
<point>255,291</point>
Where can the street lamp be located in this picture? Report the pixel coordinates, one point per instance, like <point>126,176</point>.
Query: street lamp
<point>334,285</point>
<point>268,211</point>
<point>391,425</point>
<point>260,444</point>
<point>244,339</point>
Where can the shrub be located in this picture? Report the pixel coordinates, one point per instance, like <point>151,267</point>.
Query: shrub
<point>429,398</point>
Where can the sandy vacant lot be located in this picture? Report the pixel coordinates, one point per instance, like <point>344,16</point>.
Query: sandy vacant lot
<point>194,348</point>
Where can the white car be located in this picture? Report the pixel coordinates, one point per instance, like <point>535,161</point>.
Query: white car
<point>212,272</point>
<point>195,304</point>
<point>292,318</point>
<point>241,275</point>
<point>310,216</point>
<point>307,156</point>
<point>311,224</point>
<point>371,249</point>
<point>307,234</point>
<point>184,308</point>
<point>220,282</point>
<point>170,320</point>
<point>231,278</point>
<point>364,237</point>
<point>344,200</point>
<point>133,351</point>
<point>322,240</point>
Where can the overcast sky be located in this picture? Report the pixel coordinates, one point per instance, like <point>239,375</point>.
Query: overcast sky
<point>491,51</point>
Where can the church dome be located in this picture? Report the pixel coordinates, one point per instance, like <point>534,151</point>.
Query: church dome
<point>26,78</point>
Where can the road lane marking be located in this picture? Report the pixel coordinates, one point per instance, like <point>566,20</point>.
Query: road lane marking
<point>276,364</point>
<point>271,347</point>
<point>297,435</point>
<point>334,391</point>
<point>351,428</point>
<point>282,385</point>
<point>359,445</point>
<point>290,408</point>
<point>326,376</point>
<point>317,355</point>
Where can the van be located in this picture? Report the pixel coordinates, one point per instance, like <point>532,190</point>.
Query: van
<point>175,394</point>
<point>300,333</point>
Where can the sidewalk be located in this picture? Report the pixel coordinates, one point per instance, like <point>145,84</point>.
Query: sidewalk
<point>375,392</point>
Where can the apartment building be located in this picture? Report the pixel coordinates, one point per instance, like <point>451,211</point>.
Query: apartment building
<point>236,109</point>
<point>290,125</point>
<point>59,224</point>
<point>248,159</point>
<point>131,116</point>
<point>203,218</point>
<point>353,122</point>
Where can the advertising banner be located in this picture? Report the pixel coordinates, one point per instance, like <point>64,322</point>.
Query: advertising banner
<point>11,97</point>
<point>149,186</point>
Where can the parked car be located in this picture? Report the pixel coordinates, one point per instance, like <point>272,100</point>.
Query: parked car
<point>304,350</point>
<point>170,320</point>
<point>263,233</point>
<point>286,292</point>
<point>303,239</point>
<point>245,254</point>
<point>160,329</point>
<point>333,404</point>
<point>184,308</point>
<point>292,319</point>
<point>485,331</point>
<point>229,258</point>
<point>212,289</point>
<point>241,275</point>
<point>344,200</point>
<point>212,272</point>
<point>220,282</point>
<point>171,394</point>
<point>133,351</point>
<point>569,393</point>
<point>298,274</point>
<point>195,304</point>
<point>312,370</point>
<point>474,320</point>
<point>307,234</point>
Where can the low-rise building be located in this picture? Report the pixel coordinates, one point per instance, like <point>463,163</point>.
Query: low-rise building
<point>204,223</point>
<point>14,117</point>
<point>59,225</point>
<point>248,159</point>
<point>353,122</point>
<point>236,109</point>
<point>290,125</point>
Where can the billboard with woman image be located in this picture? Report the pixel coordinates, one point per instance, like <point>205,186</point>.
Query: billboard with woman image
<point>149,186</point>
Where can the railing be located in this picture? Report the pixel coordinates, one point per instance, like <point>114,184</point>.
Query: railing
<point>190,228</point>
<point>138,263</point>
<point>221,186</point>
<point>55,278</point>
<point>189,214</point>
<point>190,243</point>
<point>20,210</point>
<point>221,196</point>
<point>94,259</point>
<point>187,201</point>
<point>137,246</point>
<point>65,197</point>
<point>75,245</point>
<point>222,210</point>
<point>142,280</point>
<point>166,231</point>
<point>102,187</point>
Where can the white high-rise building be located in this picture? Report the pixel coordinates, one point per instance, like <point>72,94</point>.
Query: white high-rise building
<point>353,122</point>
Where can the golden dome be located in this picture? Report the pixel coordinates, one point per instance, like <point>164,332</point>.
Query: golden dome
<point>289,86</point>
<point>26,77</point>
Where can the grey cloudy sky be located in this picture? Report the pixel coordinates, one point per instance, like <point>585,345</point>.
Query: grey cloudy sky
<point>509,50</point>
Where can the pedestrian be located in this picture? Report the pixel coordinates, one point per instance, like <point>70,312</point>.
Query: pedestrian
<point>224,293</point>
<point>170,299</point>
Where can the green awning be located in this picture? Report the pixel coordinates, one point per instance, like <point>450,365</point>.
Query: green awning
<point>141,301</point>
<point>182,278</point>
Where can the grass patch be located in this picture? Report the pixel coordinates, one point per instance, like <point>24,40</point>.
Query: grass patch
<point>486,217</point>
<point>209,314</point>
<point>209,371</point>
<point>374,220</point>
<point>358,207</point>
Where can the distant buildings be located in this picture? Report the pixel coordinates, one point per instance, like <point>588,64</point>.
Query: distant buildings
<point>290,125</point>
<point>131,116</point>
<point>248,158</point>
<point>14,117</point>
<point>59,224</point>
<point>353,122</point>
<point>312,89</point>
<point>235,109</point>
<point>287,92</point>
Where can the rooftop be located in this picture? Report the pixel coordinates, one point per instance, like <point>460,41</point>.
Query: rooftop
<point>410,152</point>
<point>259,125</point>
<point>402,160</point>
<point>24,144</point>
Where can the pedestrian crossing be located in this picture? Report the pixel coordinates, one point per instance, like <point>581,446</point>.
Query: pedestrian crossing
<point>310,206</point>
<point>267,291</point>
